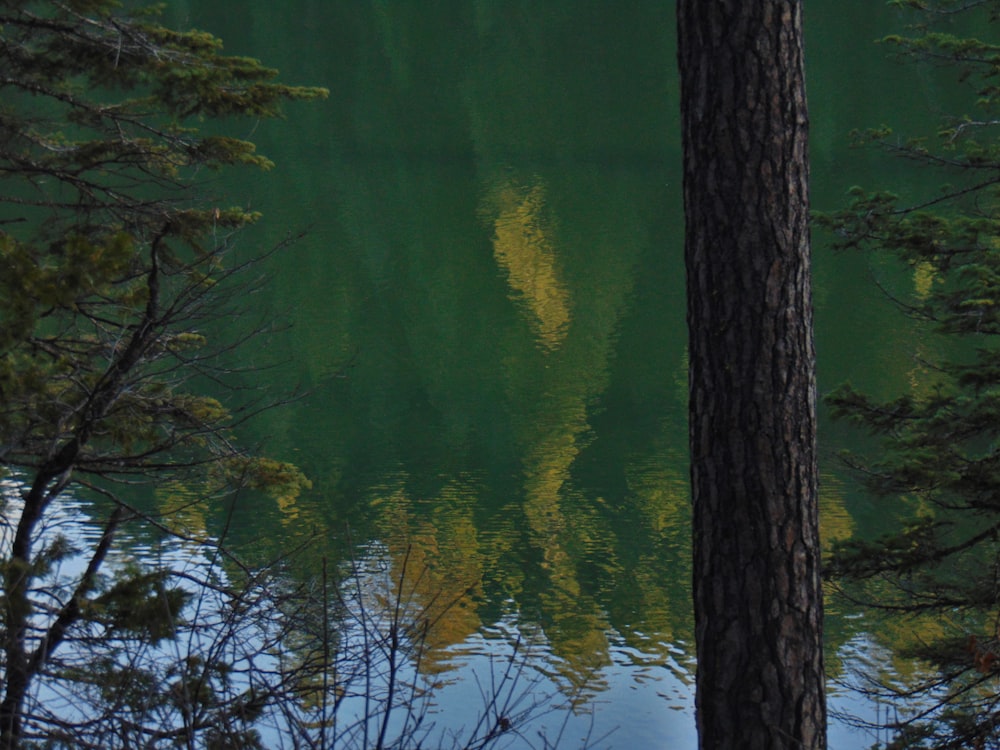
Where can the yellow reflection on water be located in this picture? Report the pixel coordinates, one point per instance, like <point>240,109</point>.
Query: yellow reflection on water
<point>661,622</point>
<point>182,509</point>
<point>923,280</point>
<point>523,247</point>
<point>835,525</point>
<point>835,522</point>
<point>558,526</point>
<point>436,562</point>
<point>661,490</point>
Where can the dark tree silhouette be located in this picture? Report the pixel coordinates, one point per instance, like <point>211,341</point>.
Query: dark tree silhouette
<point>938,570</point>
<point>757,595</point>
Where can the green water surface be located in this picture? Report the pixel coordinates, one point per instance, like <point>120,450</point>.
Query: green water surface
<point>487,321</point>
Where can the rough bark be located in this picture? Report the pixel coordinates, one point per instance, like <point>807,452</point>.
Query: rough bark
<point>757,595</point>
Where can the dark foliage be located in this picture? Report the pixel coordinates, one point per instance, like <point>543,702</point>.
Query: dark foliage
<point>940,446</point>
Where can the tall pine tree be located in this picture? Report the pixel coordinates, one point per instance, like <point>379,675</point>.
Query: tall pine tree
<point>757,598</point>
<point>112,265</point>
<point>940,446</point>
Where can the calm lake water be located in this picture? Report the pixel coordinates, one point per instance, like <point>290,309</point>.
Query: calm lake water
<point>487,324</point>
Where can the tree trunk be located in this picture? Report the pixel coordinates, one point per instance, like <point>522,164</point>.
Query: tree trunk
<point>757,594</point>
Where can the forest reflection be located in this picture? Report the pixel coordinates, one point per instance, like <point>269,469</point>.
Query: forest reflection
<point>488,319</point>
<point>522,246</point>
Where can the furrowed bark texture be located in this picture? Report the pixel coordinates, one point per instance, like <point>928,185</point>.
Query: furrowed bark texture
<point>757,595</point>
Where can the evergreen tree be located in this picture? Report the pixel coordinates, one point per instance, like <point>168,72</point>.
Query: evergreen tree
<point>112,266</point>
<point>941,445</point>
